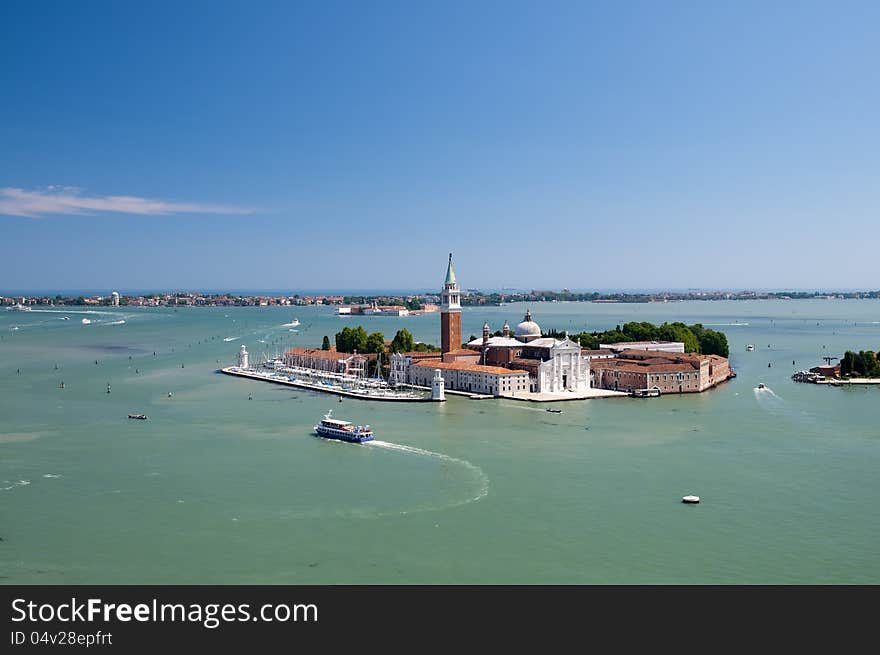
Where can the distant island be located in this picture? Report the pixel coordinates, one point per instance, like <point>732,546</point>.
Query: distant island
<point>417,301</point>
<point>861,367</point>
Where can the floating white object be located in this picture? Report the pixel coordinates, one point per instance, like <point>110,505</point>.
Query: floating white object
<point>691,500</point>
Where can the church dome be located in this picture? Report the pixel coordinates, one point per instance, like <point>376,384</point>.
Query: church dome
<point>528,329</point>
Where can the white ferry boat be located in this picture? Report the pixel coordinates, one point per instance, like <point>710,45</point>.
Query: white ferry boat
<point>293,323</point>
<point>18,307</point>
<point>332,428</point>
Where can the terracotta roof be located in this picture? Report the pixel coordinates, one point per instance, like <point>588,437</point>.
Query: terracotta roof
<point>659,356</point>
<point>467,366</point>
<point>643,366</point>
<point>421,354</point>
<point>526,363</point>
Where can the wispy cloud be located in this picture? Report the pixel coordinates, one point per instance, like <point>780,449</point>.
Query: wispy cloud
<point>55,200</point>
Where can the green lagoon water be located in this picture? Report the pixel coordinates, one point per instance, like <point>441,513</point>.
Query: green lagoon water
<point>215,488</point>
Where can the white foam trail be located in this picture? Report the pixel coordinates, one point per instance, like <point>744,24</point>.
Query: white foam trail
<point>484,480</point>
<point>120,322</point>
<point>727,324</point>
<point>767,391</point>
<point>231,338</point>
<point>51,475</point>
<point>20,483</point>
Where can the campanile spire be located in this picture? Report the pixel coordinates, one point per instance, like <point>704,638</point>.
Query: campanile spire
<point>450,312</point>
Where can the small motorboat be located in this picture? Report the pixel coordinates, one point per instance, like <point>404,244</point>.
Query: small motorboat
<point>750,347</point>
<point>553,411</point>
<point>690,500</point>
<point>761,385</point>
<point>142,417</point>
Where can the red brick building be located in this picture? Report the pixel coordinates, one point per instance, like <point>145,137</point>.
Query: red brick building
<point>668,372</point>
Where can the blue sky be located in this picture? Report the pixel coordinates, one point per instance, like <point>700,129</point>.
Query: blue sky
<point>281,145</point>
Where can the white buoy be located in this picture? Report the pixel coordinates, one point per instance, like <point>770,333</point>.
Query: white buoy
<point>690,500</point>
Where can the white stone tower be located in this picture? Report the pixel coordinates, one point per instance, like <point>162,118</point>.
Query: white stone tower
<point>243,357</point>
<point>114,299</point>
<point>438,386</point>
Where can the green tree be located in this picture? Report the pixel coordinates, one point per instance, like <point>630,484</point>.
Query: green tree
<point>375,343</point>
<point>872,365</point>
<point>679,332</point>
<point>351,339</point>
<point>402,342</point>
<point>711,342</point>
<point>643,331</point>
<point>325,344</point>
<point>848,363</point>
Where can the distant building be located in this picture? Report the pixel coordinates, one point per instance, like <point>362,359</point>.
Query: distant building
<point>827,371</point>
<point>326,360</point>
<point>668,372</point>
<point>475,378</point>
<point>662,346</point>
<point>385,310</point>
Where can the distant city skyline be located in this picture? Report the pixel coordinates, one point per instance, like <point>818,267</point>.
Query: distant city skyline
<point>412,291</point>
<point>331,146</point>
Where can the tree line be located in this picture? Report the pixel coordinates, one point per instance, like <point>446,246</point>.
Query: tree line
<point>696,338</point>
<point>351,340</point>
<point>865,363</point>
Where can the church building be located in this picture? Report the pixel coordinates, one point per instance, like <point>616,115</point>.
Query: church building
<point>502,366</point>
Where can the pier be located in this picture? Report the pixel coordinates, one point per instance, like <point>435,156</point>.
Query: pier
<point>385,394</point>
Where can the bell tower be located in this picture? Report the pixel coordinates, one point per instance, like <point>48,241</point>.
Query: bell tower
<point>450,312</point>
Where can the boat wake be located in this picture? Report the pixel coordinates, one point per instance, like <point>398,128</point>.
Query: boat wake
<point>726,324</point>
<point>231,338</point>
<point>119,322</point>
<point>20,483</point>
<point>483,489</point>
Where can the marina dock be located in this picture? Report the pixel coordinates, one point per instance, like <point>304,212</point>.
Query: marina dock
<point>277,378</point>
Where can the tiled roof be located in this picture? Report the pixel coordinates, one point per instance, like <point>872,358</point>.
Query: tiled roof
<point>662,366</point>
<point>467,366</point>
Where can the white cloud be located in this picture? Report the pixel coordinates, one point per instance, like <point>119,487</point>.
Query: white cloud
<point>56,200</point>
